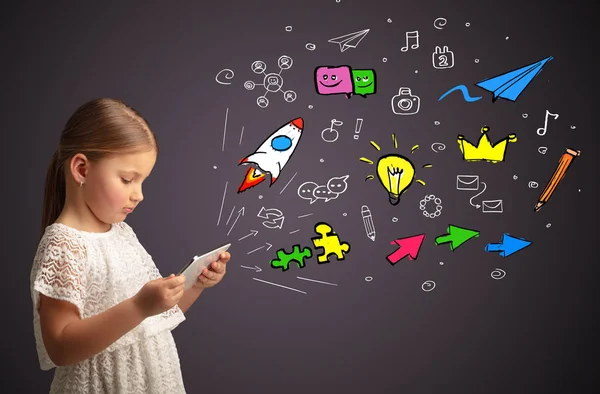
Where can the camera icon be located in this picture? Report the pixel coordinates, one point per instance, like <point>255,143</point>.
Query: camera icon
<point>405,103</point>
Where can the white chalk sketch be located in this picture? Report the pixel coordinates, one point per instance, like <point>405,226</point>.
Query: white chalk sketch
<point>350,40</point>
<point>411,36</point>
<point>272,82</point>
<point>467,182</point>
<point>492,206</point>
<point>405,103</point>
<point>317,281</point>
<point>442,58</point>
<point>278,285</point>
<point>438,206</point>
<point>275,213</point>
<point>359,122</point>
<point>428,285</point>
<point>542,130</point>
<point>330,134</point>
<point>312,191</point>
<point>498,274</point>
<point>440,146</point>
<point>439,23</point>
<point>229,74</point>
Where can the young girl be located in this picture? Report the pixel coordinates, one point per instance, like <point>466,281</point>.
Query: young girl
<point>102,313</point>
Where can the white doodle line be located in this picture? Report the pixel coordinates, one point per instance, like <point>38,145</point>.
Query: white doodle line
<point>252,232</point>
<point>441,22</point>
<point>241,135</point>
<point>478,194</point>
<point>225,129</point>
<point>295,231</point>
<point>275,284</point>
<point>286,185</point>
<point>303,216</point>
<point>232,209</point>
<point>240,213</point>
<point>259,248</point>
<point>317,281</point>
<point>229,75</point>
<point>222,201</point>
<point>255,268</point>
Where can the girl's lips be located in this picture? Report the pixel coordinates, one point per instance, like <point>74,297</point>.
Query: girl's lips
<point>128,210</point>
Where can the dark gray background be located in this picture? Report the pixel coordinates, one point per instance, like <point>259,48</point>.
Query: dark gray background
<point>533,331</point>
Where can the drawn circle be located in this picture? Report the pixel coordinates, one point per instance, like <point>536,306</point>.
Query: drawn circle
<point>321,160</point>
<point>436,122</point>
<point>249,85</point>
<point>344,214</point>
<point>368,278</point>
<point>260,196</point>
<point>572,127</point>
<point>310,46</point>
<point>285,62</point>
<point>476,60</point>
<point>273,82</point>
<point>289,96</point>
<point>515,177</point>
<point>288,28</point>
<point>384,59</point>
<point>416,71</point>
<point>524,116</point>
<point>258,66</point>
<point>548,225</point>
<point>394,219</point>
<point>262,101</point>
<point>438,206</point>
<point>498,274</point>
<point>506,38</point>
<point>467,24</point>
<point>439,23</point>
<point>310,106</point>
<point>389,20</point>
<point>337,1</point>
<point>428,285</point>
<point>405,104</point>
<point>229,74</point>
<point>440,145</point>
<point>441,263</point>
<point>533,185</point>
<point>330,135</point>
<point>543,150</point>
<point>214,167</point>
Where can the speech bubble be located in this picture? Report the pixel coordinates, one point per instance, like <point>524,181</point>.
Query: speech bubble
<point>338,184</point>
<point>323,193</point>
<point>306,191</point>
<point>333,80</point>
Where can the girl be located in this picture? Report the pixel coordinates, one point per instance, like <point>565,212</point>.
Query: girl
<point>102,313</point>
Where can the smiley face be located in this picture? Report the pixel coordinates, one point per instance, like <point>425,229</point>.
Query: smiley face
<point>333,80</point>
<point>364,82</point>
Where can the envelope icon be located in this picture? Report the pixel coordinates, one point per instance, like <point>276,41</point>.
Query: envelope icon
<point>467,182</point>
<point>492,206</point>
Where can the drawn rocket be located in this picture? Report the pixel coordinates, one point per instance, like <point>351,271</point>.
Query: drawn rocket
<point>272,155</point>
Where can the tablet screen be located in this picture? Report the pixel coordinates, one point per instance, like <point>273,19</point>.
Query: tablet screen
<point>194,267</point>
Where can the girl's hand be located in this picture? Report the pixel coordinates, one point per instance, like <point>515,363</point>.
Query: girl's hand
<point>213,274</point>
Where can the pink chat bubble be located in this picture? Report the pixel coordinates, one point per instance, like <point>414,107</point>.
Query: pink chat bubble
<point>334,80</point>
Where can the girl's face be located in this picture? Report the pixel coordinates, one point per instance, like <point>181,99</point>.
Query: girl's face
<point>115,184</point>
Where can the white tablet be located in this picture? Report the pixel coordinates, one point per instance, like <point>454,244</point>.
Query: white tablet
<point>194,268</point>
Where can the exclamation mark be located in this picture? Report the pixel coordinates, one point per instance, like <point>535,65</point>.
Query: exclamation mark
<point>357,128</point>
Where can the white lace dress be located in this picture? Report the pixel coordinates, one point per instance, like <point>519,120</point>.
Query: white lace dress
<point>95,271</point>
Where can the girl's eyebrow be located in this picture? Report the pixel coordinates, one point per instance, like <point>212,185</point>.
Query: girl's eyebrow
<point>132,172</point>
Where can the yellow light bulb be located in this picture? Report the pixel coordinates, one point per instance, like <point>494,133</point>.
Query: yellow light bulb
<point>396,174</point>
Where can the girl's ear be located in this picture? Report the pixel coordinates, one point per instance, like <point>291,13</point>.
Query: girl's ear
<point>78,167</point>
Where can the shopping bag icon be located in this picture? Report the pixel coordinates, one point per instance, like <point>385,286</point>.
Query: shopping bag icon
<point>442,58</point>
<point>467,182</point>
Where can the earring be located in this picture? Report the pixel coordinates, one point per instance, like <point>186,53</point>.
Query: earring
<point>80,183</point>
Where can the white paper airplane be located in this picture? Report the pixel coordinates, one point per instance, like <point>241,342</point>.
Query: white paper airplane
<point>349,40</point>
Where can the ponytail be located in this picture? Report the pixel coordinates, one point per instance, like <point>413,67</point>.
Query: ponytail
<point>54,192</point>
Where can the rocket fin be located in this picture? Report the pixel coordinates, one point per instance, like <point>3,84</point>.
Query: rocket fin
<point>253,178</point>
<point>275,173</point>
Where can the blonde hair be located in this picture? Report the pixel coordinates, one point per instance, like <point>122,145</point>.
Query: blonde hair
<point>98,129</point>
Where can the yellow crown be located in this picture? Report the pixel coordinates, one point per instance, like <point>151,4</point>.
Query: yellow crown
<point>485,150</point>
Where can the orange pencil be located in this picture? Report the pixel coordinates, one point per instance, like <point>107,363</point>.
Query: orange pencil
<point>563,165</point>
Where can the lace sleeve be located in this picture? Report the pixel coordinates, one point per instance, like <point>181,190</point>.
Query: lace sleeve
<point>61,270</point>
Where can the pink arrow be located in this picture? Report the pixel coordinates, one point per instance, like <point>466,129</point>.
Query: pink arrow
<point>408,246</point>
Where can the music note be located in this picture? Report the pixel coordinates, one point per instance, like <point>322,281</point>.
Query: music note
<point>414,35</point>
<point>546,123</point>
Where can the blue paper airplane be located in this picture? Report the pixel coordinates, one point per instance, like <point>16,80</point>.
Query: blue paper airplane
<point>511,84</point>
<point>508,246</point>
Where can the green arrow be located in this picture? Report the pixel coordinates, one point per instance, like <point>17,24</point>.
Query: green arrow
<point>456,236</point>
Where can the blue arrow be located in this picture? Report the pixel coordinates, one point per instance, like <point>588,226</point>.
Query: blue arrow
<point>508,245</point>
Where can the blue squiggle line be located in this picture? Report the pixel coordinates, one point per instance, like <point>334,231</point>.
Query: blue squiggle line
<point>464,91</point>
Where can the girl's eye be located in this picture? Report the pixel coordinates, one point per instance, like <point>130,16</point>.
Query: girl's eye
<point>125,181</point>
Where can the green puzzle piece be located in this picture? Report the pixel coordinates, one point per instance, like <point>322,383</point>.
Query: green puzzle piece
<point>284,259</point>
